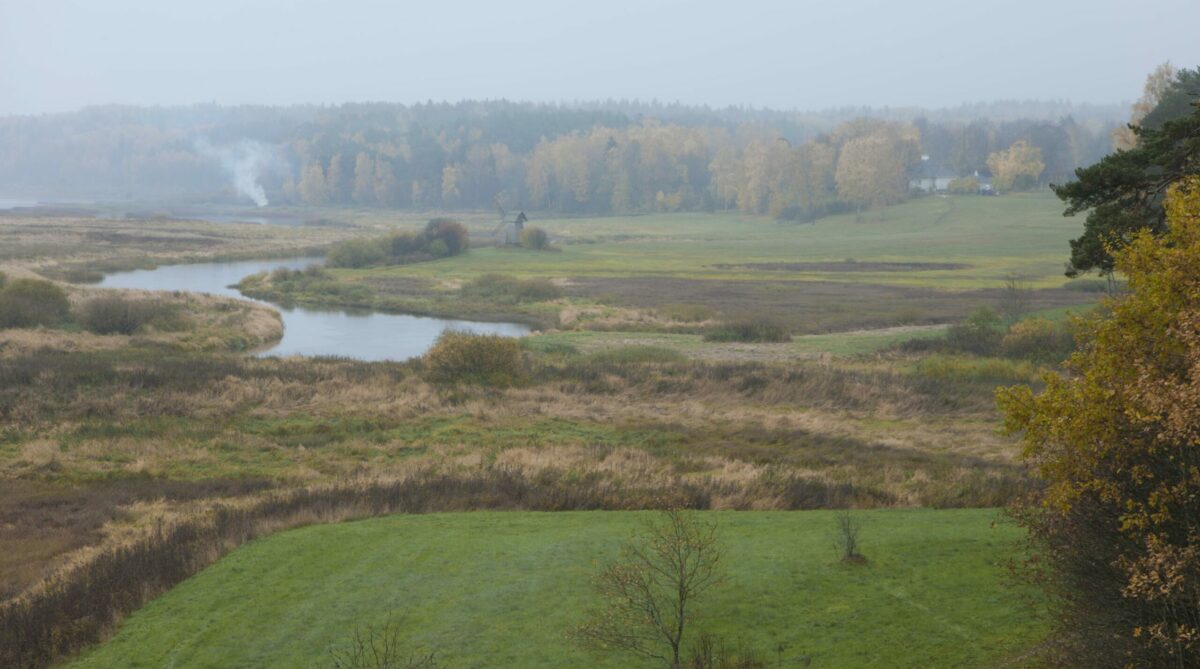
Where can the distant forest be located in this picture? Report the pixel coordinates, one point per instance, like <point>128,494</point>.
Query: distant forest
<point>580,158</point>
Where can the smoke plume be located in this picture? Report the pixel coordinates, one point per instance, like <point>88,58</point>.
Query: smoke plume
<point>244,161</point>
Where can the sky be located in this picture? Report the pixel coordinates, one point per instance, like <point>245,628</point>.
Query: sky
<point>60,55</point>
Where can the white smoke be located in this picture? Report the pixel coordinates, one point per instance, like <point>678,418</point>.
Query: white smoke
<point>244,161</point>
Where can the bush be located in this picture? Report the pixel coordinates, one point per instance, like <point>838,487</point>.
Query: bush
<point>983,370</point>
<point>118,315</point>
<point>462,357</point>
<point>404,244</point>
<point>441,237</point>
<point>28,303</point>
<point>3,279</point>
<point>448,231</point>
<point>749,331</point>
<point>355,253</point>
<point>687,313</point>
<point>1038,340</point>
<point>82,276</point>
<point>979,334</point>
<point>535,238</point>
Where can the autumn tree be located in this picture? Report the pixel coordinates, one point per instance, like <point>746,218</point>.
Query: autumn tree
<point>872,168</point>
<point>364,179</point>
<point>313,188</point>
<point>648,594</point>
<point>339,179</point>
<point>1115,527</point>
<point>386,188</point>
<point>1157,84</point>
<point>1017,167</point>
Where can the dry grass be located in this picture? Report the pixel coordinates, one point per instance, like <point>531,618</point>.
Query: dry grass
<point>206,323</point>
<point>53,246</point>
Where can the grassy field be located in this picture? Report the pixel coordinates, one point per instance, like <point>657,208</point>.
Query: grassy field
<point>502,589</point>
<point>928,261</point>
<point>963,242</point>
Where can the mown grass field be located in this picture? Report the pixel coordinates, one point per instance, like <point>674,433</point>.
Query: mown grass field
<point>502,589</point>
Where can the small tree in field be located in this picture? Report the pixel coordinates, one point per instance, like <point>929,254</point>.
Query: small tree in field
<point>374,647</point>
<point>649,592</point>
<point>846,537</point>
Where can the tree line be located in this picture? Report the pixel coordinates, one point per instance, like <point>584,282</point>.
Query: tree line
<point>589,158</point>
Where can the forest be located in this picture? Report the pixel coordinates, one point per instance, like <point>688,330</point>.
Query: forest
<point>583,158</point>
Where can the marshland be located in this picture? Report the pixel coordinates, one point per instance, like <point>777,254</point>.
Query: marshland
<point>716,384</point>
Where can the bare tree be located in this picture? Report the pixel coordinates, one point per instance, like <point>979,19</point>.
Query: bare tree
<point>846,537</point>
<point>1014,300</point>
<point>649,591</point>
<point>381,647</point>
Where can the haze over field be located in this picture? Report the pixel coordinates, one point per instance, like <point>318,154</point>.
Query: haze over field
<point>59,55</point>
<point>651,334</point>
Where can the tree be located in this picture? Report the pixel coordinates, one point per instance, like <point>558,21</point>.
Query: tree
<point>338,179</point>
<point>364,179</point>
<point>313,189</point>
<point>450,232</point>
<point>450,179</point>
<point>649,591</point>
<point>872,170</point>
<point>1016,168</point>
<point>387,188</point>
<point>1123,193</point>
<point>1157,83</point>
<point>1116,441</point>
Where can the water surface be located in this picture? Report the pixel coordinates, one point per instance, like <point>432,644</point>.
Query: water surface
<point>362,335</point>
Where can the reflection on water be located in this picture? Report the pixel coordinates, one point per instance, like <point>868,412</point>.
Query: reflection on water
<point>364,335</point>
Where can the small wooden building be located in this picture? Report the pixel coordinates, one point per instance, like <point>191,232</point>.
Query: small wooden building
<point>510,229</point>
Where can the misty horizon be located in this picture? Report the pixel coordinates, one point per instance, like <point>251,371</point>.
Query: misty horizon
<point>61,56</point>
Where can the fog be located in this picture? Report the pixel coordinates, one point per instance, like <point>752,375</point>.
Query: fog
<point>58,55</point>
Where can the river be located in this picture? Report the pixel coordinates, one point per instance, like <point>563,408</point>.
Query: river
<point>362,335</point>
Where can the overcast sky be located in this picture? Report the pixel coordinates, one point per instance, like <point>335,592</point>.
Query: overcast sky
<point>58,55</point>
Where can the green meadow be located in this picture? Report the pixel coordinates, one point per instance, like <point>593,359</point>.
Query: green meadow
<point>988,237</point>
<point>503,589</point>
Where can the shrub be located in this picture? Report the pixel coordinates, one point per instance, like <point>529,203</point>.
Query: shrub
<point>1039,340</point>
<point>462,357</point>
<point>82,276</point>
<point>31,302</point>
<point>687,313</point>
<point>438,249</point>
<point>3,279</point>
<point>448,231</point>
<point>535,238</point>
<point>979,334</point>
<point>357,253</point>
<point>118,315</point>
<point>749,331</point>
<point>405,244</point>
<point>983,370</point>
